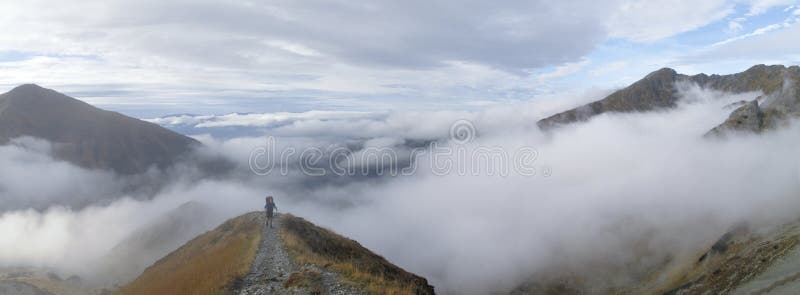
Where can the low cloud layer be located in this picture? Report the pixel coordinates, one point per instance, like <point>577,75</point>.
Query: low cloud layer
<point>623,192</point>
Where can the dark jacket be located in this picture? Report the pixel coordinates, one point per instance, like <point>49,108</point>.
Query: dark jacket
<point>270,207</point>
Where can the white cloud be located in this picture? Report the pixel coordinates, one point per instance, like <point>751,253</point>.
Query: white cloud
<point>761,6</point>
<point>609,68</point>
<point>254,120</point>
<point>756,32</point>
<point>648,21</point>
<point>564,70</point>
<point>293,48</point>
<point>214,52</point>
<point>771,44</point>
<point>735,25</point>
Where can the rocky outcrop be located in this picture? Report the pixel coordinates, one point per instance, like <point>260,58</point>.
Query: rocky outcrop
<point>747,118</point>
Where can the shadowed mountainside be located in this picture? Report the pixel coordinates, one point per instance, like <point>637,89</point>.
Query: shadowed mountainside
<point>86,135</point>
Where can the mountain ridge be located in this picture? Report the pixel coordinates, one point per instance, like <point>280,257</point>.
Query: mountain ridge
<point>86,135</point>
<point>657,91</point>
<point>243,256</point>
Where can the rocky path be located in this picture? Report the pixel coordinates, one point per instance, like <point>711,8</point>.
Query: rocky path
<point>272,267</point>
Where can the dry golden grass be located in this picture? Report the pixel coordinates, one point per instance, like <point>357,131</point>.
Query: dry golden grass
<point>309,244</point>
<point>208,264</point>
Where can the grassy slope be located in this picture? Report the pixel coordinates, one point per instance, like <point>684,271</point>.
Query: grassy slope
<point>742,258</point>
<point>731,262</point>
<point>208,264</point>
<point>309,244</point>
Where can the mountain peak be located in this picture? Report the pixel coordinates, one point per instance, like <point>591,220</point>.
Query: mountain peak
<point>28,87</point>
<point>651,92</point>
<point>28,91</point>
<point>763,67</point>
<point>663,72</point>
<point>30,97</point>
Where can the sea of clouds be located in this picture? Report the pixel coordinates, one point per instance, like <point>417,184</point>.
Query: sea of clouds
<point>609,198</point>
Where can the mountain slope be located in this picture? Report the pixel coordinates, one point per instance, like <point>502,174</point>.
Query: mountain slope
<point>310,244</point>
<point>658,91</point>
<point>655,91</point>
<point>209,264</point>
<point>744,260</point>
<point>86,135</point>
<point>158,238</point>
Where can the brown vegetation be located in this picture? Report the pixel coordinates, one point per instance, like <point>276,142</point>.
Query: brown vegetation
<point>309,244</point>
<point>208,264</point>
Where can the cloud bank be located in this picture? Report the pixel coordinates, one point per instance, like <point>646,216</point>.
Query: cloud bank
<point>624,193</point>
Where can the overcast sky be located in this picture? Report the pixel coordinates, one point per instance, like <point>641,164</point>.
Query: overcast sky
<point>149,58</point>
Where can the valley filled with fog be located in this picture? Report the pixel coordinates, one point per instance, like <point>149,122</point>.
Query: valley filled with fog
<point>609,197</point>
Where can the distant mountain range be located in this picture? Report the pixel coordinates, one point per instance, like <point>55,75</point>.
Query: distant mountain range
<point>658,91</point>
<point>86,135</point>
<point>99,139</point>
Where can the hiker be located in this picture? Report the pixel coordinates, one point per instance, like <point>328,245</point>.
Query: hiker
<point>270,207</point>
